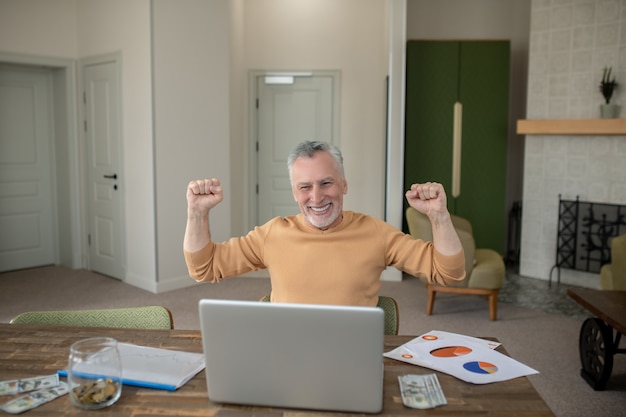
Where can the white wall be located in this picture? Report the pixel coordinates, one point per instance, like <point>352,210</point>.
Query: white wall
<point>347,35</point>
<point>571,42</point>
<point>124,26</point>
<point>38,27</point>
<point>191,119</point>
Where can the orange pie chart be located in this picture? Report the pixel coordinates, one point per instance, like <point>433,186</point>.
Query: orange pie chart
<point>450,351</point>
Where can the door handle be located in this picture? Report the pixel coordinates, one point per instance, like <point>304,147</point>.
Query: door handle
<point>113,177</point>
<point>457,134</point>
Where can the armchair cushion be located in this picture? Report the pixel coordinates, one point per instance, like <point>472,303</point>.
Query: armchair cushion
<point>613,275</point>
<point>489,271</point>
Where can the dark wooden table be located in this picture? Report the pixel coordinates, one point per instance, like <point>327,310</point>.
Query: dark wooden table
<point>597,343</point>
<point>27,351</point>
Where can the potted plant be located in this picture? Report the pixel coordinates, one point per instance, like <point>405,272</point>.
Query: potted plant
<point>607,86</point>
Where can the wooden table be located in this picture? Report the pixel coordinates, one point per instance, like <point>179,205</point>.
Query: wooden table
<point>596,342</point>
<point>27,351</point>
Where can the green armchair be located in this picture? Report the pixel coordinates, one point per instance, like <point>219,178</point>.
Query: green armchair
<point>484,268</point>
<point>613,275</point>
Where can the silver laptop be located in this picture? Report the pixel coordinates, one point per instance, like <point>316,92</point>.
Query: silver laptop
<point>294,355</point>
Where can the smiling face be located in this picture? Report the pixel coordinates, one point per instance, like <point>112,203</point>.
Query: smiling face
<point>318,188</point>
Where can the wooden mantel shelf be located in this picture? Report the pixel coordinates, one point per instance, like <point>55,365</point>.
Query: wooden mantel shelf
<point>590,127</point>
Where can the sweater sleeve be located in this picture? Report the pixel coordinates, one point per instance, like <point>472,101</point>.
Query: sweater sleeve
<point>199,263</point>
<point>218,261</point>
<point>449,269</point>
<point>420,258</point>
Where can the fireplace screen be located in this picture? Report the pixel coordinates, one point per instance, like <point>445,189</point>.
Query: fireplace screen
<point>584,234</point>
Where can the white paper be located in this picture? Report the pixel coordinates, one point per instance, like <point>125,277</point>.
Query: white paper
<point>403,353</point>
<point>440,334</point>
<point>158,368</point>
<point>461,357</point>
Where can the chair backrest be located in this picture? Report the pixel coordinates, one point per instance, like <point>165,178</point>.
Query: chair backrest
<point>150,317</point>
<point>389,306</point>
<point>420,228</point>
<point>618,262</point>
<point>392,314</point>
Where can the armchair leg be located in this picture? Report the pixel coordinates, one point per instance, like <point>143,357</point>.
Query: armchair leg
<point>431,300</point>
<point>491,294</point>
<point>493,305</point>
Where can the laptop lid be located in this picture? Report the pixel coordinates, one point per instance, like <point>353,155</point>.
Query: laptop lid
<point>293,355</point>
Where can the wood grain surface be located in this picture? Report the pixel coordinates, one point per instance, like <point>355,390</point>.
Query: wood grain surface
<point>27,351</point>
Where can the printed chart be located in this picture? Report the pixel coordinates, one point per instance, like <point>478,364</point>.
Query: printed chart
<point>480,367</point>
<point>469,359</point>
<point>451,351</point>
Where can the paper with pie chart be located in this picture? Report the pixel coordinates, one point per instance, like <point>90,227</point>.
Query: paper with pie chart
<point>440,334</point>
<point>403,354</point>
<point>462,358</point>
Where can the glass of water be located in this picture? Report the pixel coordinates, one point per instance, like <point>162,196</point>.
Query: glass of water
<point>94,373</point>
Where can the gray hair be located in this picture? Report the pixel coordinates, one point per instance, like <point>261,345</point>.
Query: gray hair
<point>309,148</point>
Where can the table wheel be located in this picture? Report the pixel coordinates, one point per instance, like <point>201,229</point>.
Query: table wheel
<point>596,352</point>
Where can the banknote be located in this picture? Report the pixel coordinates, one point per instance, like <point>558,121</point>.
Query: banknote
<point>17,386</point>
<point>421,391</point>
<point>34,399</point>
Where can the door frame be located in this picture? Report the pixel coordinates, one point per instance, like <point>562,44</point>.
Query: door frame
<point>70,250</point>
<point>253,94</point>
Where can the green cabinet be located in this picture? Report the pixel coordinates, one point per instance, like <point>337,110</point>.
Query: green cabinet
<point>475,74</point>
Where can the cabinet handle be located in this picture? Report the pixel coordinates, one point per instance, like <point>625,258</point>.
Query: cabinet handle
<point>456,149</point>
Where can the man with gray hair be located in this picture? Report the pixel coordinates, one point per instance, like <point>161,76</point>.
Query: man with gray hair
<point>324,254</point>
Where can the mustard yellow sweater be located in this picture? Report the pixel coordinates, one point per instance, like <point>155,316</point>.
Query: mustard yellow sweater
<point>341,265</point>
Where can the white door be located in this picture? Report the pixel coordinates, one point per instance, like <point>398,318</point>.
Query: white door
<point>290,109</point>
<point>27,211</point>
<point>104,168</point>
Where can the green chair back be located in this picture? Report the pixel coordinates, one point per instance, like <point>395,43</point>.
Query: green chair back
<point>392,315</point>
<point>389,306</point>
<point>150,317</point>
